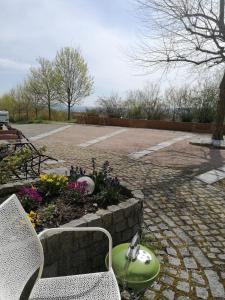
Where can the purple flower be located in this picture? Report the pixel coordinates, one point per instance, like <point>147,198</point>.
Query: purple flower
<point>30,193</point>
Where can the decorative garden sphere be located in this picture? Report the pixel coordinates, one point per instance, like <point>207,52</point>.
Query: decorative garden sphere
<point>90,184</point>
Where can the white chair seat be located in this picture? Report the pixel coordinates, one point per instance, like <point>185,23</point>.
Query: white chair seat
<point>95,286</point>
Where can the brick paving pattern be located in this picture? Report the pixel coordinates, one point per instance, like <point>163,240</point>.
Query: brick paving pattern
<point>184,218</point>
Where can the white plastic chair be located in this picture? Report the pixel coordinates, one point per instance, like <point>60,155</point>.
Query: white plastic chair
<point>21,256</point>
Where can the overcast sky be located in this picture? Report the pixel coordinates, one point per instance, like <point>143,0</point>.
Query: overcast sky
<point>104,30</point>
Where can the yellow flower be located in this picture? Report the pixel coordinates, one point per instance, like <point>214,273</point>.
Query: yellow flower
<point>43,177</point>
<point>32,216</point>
<point>49,180</point>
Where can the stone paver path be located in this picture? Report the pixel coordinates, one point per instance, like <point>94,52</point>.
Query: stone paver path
<point>184,218</point>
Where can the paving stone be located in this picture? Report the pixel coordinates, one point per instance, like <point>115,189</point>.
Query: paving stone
<point>190,263</point>
<point>183,286</point>
<point>167,280</point>
<point>200,257</point>
<point>211,176</point>
<point>171,271</point>
<point>216,286</point>
<point>202,293</point>
<point>169,294</point>
<point>197,278</point>
<point>183,236</point>
<point>156,286</point>
<point>171,251</point>
<point>176,242</point>
<point>174,261</point>
<point>183,274</point>
<point>184,252</point>
<point>221,256</point>
<point>149,295</point>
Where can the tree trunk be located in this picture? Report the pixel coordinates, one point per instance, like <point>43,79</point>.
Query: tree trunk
<point>36,113</point>
<point>69,110</point>
<point>218,133</point>
<point>49,111</point>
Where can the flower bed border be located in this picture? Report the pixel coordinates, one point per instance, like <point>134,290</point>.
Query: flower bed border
<point>76,253</point>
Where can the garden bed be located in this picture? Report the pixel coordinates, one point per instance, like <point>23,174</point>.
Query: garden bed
<point>56,200</point>
<point>53,200</point>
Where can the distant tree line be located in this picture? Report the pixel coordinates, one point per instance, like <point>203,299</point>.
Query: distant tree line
<point>65,81</point>
<point>187,103</point>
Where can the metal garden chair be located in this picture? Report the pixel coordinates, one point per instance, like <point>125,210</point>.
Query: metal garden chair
<point>21,257</point>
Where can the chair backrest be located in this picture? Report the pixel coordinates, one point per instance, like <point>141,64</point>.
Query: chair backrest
<point>21,253</point>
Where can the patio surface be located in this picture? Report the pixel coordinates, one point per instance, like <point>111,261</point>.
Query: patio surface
<point>185,217</point>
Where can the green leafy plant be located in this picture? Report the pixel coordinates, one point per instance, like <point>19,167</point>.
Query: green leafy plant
<point>109,195</point>
<point>47,215</point>
<point>10,163</point>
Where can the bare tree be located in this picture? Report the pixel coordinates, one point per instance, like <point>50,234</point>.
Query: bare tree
<point>45,82</point>
<point>180,101</point>
<point>145,103</point>
<point>34,94</point>
<point>186,31</point>
<point>112,105</point>
<point>75,82</point>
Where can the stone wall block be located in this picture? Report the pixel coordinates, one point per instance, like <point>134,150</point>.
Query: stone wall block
<point>121,226</point>
<point>93,220</point>
<point>127,235</point>
<point>138,194</point>
<point>126,207</point>
<point>83,252</point>
<point>116,212</point>
<point>106,217</point>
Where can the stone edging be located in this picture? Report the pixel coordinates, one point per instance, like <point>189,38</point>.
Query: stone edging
<point>76,253</point>
<point>14,187</point>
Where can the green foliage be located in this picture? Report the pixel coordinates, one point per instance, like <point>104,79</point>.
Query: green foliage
<point>46,216</point>
<point>13,162</point>
<point>186,116</point>
<point>63,80</point>
<point>74,82</point>
<point>108,195</point>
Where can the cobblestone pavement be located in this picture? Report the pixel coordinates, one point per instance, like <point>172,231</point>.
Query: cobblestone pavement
<point>184,219</point>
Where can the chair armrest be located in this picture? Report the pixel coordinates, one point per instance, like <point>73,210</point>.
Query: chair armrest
<point>79,229</point>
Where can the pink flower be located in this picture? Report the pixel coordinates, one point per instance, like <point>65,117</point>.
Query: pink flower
<point>78,186</point>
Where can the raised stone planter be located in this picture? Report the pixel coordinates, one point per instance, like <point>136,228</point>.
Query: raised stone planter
<point>76,253</point>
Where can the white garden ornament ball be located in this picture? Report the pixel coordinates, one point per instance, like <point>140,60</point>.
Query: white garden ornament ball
<point>90,184</point>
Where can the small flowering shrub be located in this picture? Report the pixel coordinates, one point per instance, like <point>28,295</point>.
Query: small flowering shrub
<point>79,187</point>
<point>75,193</point>
<point>51,184</point>
<point>30,198</point>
